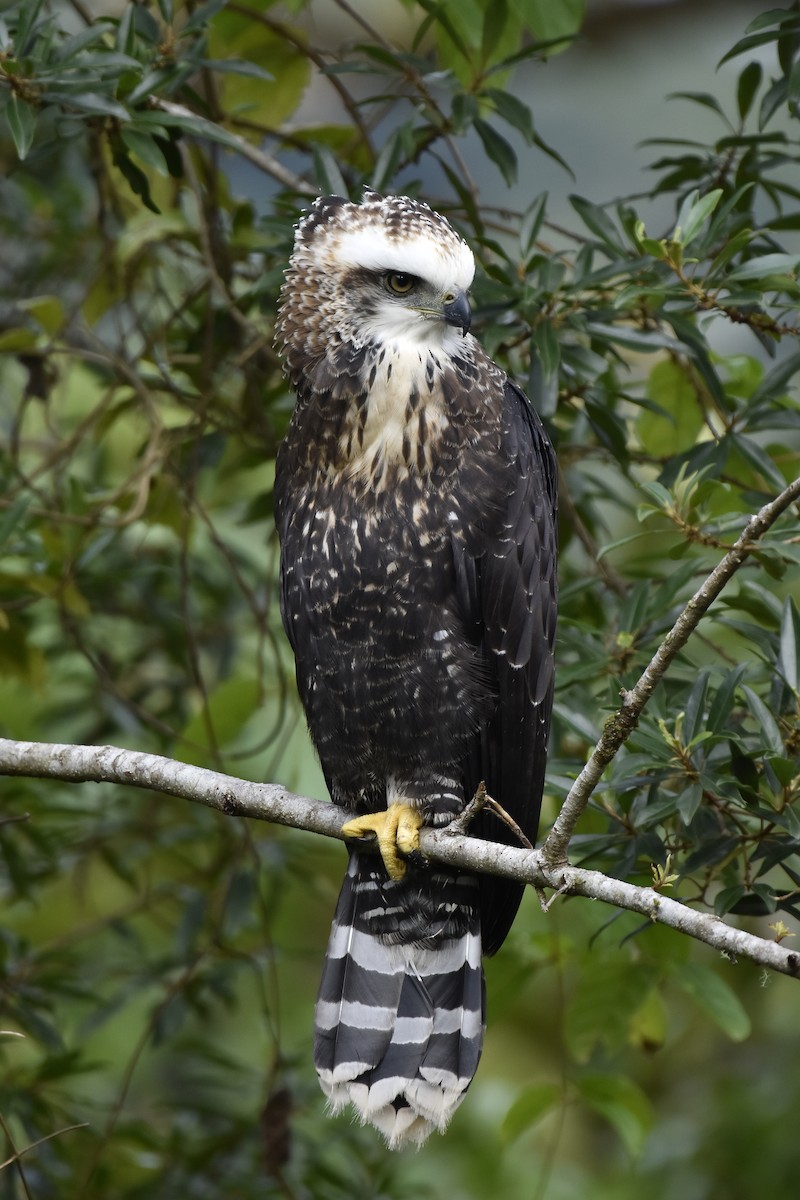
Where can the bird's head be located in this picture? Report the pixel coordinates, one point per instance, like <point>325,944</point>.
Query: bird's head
<point>389,271</point>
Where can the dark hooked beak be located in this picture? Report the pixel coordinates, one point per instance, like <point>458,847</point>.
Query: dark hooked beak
<point>456,311</point>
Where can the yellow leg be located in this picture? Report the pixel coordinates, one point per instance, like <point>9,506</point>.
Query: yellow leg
<point>397,830</point>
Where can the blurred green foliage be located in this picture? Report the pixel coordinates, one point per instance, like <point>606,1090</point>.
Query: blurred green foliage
<point>158,964</point>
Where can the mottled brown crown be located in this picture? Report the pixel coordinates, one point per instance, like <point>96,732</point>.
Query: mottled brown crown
<point>327,303</point>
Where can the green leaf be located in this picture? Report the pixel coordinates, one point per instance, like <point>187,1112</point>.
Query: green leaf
<point>145,229</point>
<point>765,266</point>
<point>21,118</point>
<point>655,247</point>
<point>599,222</point>
<point>622,1103</point>
<point>452,30</point>
<point>145,148</point>
<point>600,1008</point>
<point>693,216</point>
<point>329,177</point>
<point>536,49</point>
<point>774,98</point>
<point>164,79</point>
<point>17,339</point>
<point>27,26</point>
<point>691,337</point>
<point>102,64</point>
<point>727,898</point>
<point>723,702</point>
<point>47,310</point>
<point>705,99</point>
<point>10,519</point>
<point>648,1024</point>
<point>465,110</point>
<point>513,111</point>
<point>785,771</point>
<point>645,340</point>
<point>550,21</point>
<point>237,66</point>
<point>90,102</point>
<point>495,19</point>
<point>748,85</point>
<point>759,460</point>
<point>529,1107</point>
<point>774,382</point>
<point>715,997</point>
<point>498,150</point>
<point>551,152</point>
<point>695,707</point>
<point>548,350</point>
<point>387,161</point>
<point>126,35</point>
<point>751,42</point>
<point>202,15</point>
<point>689,802</point>
<point>789,656</point>
<point>137,180</point>
<point>733,247</point>
<point>198,126</point>
<point>531,223</point>
<point>770,732</point>
<point>676,426</point>
<point>773,16</point>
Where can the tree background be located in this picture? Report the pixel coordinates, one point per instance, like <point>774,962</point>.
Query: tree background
<point>158,961</point>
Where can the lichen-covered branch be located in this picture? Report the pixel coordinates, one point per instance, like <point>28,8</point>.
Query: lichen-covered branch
<point>270,802</point>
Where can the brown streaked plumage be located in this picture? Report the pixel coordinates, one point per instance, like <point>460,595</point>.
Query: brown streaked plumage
<point>415,501</point>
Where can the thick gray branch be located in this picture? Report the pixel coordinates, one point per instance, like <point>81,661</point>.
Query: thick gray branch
<point>619,727</point>
<point>269,802</point>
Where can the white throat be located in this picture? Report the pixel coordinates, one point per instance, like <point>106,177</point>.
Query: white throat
<point>405,413</point>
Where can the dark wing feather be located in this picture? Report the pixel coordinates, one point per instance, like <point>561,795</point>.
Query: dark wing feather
<point>507,589</point>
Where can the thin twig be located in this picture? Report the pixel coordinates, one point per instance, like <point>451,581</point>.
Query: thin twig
<point>618,727</point>
<point>508,821</point>
<point>461,823</point>
<point>15,1158</point>
<point>17,1155</point>
<point>419,83</point>
<point>313,55</point>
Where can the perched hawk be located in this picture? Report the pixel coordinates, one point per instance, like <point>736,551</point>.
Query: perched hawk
<point>415,500</point>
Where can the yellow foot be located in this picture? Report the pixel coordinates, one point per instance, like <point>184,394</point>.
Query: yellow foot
<point>397,830</point>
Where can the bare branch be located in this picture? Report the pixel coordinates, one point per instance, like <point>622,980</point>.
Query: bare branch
<point>271,802</point>
<point>619,727</point>
<point>301,43</point>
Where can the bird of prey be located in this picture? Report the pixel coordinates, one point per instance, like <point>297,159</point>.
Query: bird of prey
<point>415,501</point>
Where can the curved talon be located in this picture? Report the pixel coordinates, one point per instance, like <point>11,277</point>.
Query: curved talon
<point>397,831</point>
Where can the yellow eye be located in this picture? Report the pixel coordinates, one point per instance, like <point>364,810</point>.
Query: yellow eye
<point>399,283</point>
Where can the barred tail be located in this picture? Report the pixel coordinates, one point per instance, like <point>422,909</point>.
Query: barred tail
<point>400,1015</point>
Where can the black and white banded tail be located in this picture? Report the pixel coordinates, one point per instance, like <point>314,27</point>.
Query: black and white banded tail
<point>400,1015</point>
